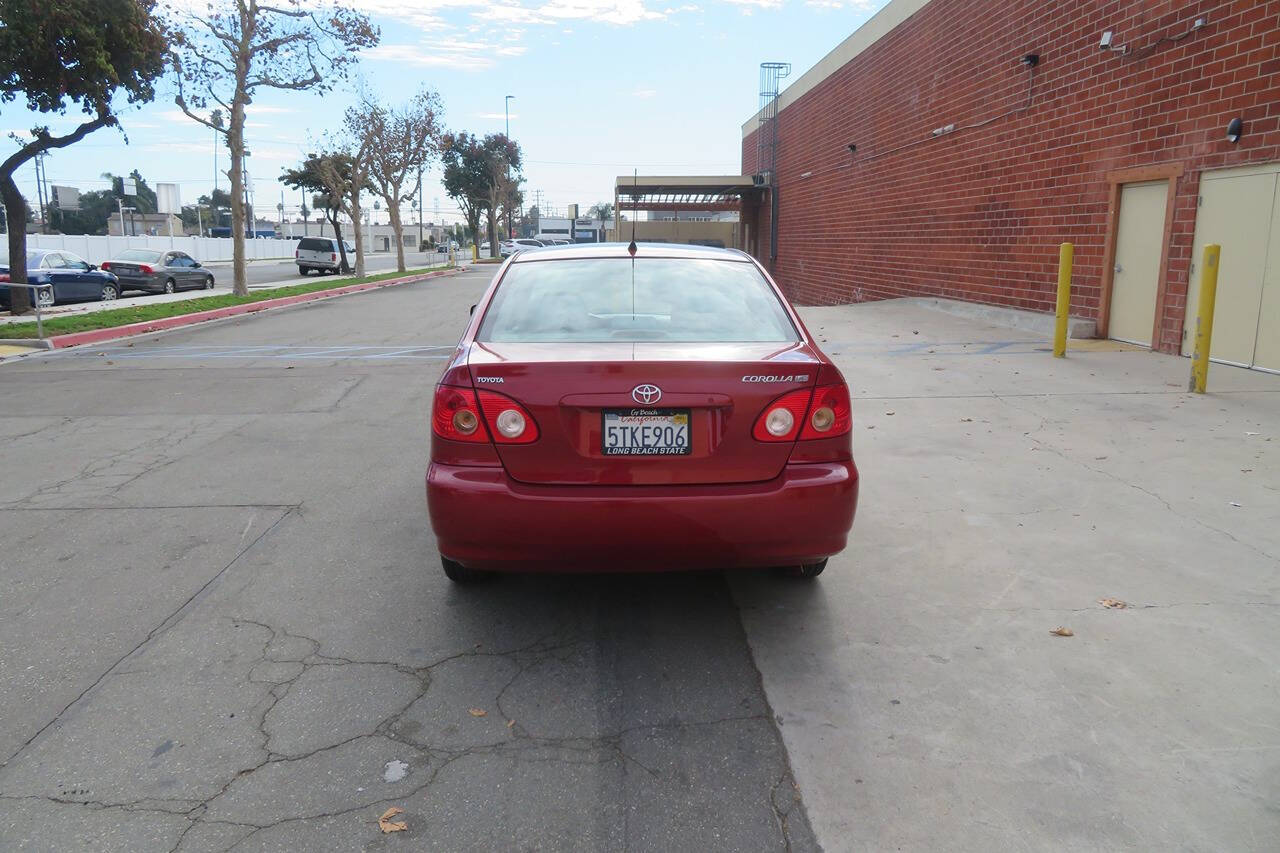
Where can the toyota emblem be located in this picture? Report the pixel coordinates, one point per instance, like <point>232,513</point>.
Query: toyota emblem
<point>646,395</point>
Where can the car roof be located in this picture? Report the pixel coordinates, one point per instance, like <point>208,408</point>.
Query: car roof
<point>619,250</point>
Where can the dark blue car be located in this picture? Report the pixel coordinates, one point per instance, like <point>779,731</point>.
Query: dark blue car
<point>70,278</point>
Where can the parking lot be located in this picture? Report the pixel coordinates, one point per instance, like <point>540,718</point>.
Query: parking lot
<point>224,624</point>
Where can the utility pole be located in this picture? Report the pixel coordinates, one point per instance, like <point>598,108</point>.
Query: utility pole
<point>305,215</point>
<point>419,208</point>
<point>40,193</point>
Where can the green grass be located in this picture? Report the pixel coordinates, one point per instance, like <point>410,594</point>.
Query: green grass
<point>61,325</point>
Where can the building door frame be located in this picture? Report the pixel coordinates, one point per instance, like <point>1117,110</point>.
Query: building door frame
<point>1116,180</point>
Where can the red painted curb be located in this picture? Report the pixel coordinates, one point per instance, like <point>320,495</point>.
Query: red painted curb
<point>95,336</point>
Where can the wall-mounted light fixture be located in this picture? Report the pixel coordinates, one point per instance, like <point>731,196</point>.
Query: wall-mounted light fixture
<point>1031,60</point>
<point>853,148</point>
<point>1235,130</point>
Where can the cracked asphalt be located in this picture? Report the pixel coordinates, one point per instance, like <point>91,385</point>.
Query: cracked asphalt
<point>224,617</point>
<point>223,625</point>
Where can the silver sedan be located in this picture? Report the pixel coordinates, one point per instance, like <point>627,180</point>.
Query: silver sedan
<point>158,271</point>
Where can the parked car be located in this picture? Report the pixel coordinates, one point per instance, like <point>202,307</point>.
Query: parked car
<point>442,249</point>
<point>321,254</point>
<point>70,278</point>
<point>157,271</point>
<point>669,411</point>
<point>510,247</point>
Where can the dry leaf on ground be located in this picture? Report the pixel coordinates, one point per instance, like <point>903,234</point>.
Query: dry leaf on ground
<point>1062,632</point>
<point>477,712</point>
<point>510,723</point>
<point>1113,603</point>
<point>386,824</point>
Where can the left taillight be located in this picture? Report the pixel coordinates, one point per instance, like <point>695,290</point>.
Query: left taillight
<point>105,265</point>
<point>456,416</point>
<point>509,422</point>
<point>146,268</point>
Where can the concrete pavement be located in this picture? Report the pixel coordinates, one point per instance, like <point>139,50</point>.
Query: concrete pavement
<point>225,628</point>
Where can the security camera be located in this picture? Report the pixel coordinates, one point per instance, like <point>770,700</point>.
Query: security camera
<point>1106,40</point>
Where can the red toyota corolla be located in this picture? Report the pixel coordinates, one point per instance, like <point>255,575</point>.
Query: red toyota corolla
<point>666,410</point>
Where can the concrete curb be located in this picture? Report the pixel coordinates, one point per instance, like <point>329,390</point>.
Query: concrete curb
<point>33,343</point>
<point>1013,318</point>
<point>95,336</point>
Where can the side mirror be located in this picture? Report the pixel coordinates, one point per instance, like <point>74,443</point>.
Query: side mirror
<point>473,309</point>
<point>195,264</point>
<point>92,267</point>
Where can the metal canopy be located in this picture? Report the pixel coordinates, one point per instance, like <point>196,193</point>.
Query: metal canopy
<point>691,193</point>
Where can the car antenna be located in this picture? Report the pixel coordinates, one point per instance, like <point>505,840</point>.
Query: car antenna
<point>631,248</point>
<point>635,181</point>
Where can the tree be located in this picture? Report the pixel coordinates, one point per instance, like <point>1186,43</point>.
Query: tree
<point>225,54</point>
<point>501,158</point>
<point>315,176</point>
<point>602,210</point>
<point>84,52</point>
<point>466,175</point>
<point>344,170</point>
<point>405,140</point>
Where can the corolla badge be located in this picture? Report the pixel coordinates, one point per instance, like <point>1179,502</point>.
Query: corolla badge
<point>646,395</point>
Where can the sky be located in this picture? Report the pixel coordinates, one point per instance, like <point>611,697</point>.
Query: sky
<point>602,88</point>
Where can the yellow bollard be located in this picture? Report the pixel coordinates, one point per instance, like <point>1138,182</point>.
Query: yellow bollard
<point>1204,318</point>
<point>1066,256</point>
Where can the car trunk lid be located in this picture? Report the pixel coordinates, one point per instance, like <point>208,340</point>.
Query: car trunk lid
<point>722,387</point>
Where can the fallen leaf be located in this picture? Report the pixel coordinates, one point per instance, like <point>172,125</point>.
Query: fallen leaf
<point>890,414</point>
<point>386,824</point>
<point>1062,632</point>
<point>1247,433</point>
<point>477,712</point>
<point>1113,603</point>
<point>511,723</point>
<point>1235,503</point>
<point>966,420</point>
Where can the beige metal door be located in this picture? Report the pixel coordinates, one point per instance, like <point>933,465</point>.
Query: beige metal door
<point>1236,211</point>
<point>1267,353</point>
<point>1139,248</point>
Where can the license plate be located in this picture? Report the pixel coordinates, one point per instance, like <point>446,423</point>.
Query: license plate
<point>645,432</point>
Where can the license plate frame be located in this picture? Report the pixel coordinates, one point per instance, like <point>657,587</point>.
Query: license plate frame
<point>663,418</point>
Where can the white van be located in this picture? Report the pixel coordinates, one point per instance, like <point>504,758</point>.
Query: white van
<point>321,254</point>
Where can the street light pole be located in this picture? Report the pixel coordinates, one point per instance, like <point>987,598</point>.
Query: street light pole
<point>506,103</point>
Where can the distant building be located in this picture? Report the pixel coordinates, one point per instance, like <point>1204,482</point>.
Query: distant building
<point>581,230</point>
<point>142,224</point>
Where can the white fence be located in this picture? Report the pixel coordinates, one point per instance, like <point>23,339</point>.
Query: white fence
<point>97,249</point>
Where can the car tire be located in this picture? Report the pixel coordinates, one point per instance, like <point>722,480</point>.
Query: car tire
<point>459,573</point>
<point>110,292</point>
<point>303,270</point>
<point>170,286</point>
<point>208,282</point>
<point>805,572</point>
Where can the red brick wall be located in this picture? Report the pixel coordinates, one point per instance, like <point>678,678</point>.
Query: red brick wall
<point>978,214</point>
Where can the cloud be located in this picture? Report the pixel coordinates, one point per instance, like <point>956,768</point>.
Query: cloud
<point>456,54</point>
<point>645,93</point>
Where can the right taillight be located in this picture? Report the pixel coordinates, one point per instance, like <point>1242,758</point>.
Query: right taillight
<point>830,413</point>
<point>807,414</point>
<point>456,416</point>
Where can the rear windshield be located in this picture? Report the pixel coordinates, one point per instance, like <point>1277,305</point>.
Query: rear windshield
<point>648,299</point>
<point>315,244</point>
<point>139,255</point>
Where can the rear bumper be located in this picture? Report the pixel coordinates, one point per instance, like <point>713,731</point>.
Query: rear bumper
<point>485,520</point>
